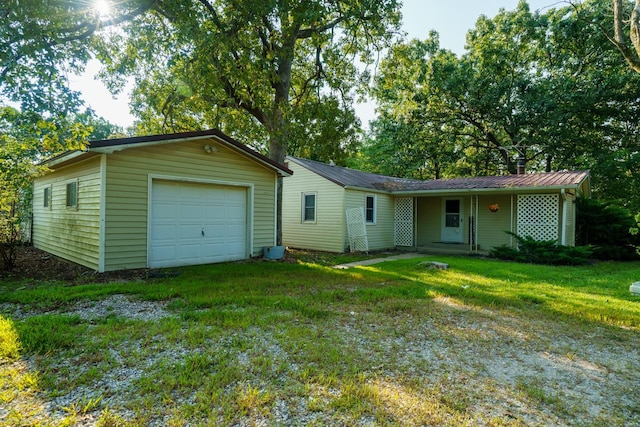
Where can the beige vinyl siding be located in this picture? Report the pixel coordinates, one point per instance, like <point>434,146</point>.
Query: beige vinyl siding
<point>429,222</point>
<point>492,227</point>
<point>127,196</point>
<point>328,231</point>
<point>380,234</point>
<point>570,230</point>
<point>71,233</point>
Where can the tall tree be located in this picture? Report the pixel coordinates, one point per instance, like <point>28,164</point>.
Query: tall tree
<point>540,86</point>
<point>247,60</point>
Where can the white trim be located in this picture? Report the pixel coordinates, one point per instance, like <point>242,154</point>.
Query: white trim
<point>303,207</point>
<point>67,206</point>
<point>375,209</point>
<point>275,211</point>
<point>563,226</point>
<point>250,203</point>
<point>103,213</point>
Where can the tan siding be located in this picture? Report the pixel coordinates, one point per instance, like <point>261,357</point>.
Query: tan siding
<point>70,233</point>
<point>429,220</point>
<point>127,193</point>
<point>327,233</point>
<point>380,234</point>
<point>571,220</point>
<point>492,226</point>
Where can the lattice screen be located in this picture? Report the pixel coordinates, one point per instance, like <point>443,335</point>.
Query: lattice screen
<point>538,216</point>
<point>357,229</point>
<point>404,222</point>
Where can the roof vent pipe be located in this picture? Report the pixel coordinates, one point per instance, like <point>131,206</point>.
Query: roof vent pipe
<point>522,162</point>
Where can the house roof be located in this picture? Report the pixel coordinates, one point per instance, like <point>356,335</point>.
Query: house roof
<point>353,178</point>
<point>346,177</point>
<point>113,145</point>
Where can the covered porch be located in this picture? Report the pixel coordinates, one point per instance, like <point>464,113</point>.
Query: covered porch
<point>474,223</point>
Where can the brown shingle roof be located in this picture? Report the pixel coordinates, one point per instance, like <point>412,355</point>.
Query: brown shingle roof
<point>351,177</point>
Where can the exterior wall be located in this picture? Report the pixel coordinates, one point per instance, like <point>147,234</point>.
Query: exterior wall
<point>570,231</point>
<point>328,231</point>
<point>379,235</point>
<point>429,220</point>
<point>67,232</point>
<point>430,217</point>
<point>127,187</point>
<point>492,226</point>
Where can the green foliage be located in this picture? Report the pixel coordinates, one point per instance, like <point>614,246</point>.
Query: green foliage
<point>25,139</point>
<point>605,225</point>
<point>548,252</point>
<point>9,340</point>
<point>46,333</point>
<point>529,84</point>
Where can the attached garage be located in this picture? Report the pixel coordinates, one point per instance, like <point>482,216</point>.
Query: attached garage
<point>157,201</point>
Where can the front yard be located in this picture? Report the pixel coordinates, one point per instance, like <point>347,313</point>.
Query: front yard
<point>301,343</point>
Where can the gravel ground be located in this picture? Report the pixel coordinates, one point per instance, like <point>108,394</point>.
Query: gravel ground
<point>498,367</point>
<point>481,353</point>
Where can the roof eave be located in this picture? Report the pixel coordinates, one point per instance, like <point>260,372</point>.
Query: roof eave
<point>467,191</point>
<point>62,158</point>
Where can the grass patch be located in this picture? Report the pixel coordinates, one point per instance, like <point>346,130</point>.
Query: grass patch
<point>302,343</point>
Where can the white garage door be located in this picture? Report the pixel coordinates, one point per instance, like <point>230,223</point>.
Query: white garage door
<point>196,224</point>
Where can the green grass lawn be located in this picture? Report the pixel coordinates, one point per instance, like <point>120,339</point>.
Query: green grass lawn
<point>272,343</point>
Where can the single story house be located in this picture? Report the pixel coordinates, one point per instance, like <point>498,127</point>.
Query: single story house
<point>157,201</point>
<point>467,214</point>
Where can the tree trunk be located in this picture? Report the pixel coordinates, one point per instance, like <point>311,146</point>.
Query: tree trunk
<point>278,129</point>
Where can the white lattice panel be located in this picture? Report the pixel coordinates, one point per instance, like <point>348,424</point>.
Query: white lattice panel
<point>357,229</point>
<point>404,222</point>
<point>538,216</point>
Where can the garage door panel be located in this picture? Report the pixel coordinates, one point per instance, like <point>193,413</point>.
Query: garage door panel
<point>235,231</point>
<point>191,212</point>
<point>166,210</point>
<point>182,212</point>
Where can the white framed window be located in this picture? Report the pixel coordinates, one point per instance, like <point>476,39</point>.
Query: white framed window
<point>72,194</point>
<point>309,204</point>
<point>46,202</point>
<point>370,209</point>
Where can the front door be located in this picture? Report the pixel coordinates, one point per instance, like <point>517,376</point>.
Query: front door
<point>452,224</point>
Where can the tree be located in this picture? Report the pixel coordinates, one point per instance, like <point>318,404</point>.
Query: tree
<point>531,85</point>
<point>247,61</point>
<point>629,46</point>
<point>26,138</point>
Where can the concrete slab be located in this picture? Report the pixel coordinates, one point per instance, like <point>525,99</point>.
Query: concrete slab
<point>373,261</point>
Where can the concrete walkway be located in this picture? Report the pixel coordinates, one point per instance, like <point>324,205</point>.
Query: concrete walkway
<point>379,260</point>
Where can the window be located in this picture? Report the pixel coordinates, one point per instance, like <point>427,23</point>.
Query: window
<point>72,194</point>
<point>370,209</point>
<point>47,197</point>
<point>308,207</point>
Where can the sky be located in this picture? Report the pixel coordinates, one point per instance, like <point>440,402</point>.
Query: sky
<point>451,19</point>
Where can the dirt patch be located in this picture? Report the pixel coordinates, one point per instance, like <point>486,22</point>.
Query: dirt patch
<point>34,264</point>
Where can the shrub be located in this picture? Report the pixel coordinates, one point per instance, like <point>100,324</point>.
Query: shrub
<point>549,252</point>
<point>605,226</point>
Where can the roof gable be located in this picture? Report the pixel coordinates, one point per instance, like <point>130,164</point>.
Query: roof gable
<point>350,177</point>
<point>118,144</point>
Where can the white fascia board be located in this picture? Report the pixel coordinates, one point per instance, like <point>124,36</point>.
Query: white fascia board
<point>467,191</point>
<point>63,158</point>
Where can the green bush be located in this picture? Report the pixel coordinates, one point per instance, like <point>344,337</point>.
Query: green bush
<point>548,252</point>
<point>605,225</point>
